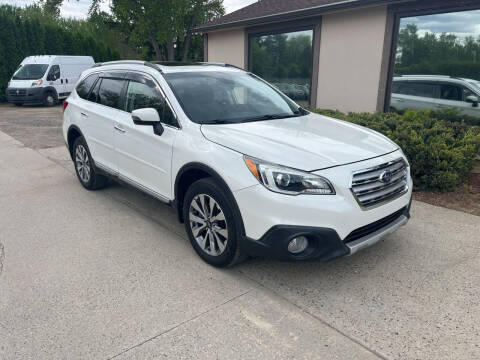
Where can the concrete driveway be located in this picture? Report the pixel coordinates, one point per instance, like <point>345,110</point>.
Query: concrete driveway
<point>110,274</point>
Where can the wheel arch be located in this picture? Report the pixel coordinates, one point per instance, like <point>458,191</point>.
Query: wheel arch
<point>49,89</point>
<point>191,172</point>
<point>72,134</point>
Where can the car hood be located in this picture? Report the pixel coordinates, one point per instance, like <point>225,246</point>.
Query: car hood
<point>310,142</point>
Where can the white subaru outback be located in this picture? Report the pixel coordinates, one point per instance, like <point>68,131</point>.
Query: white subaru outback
<point>247,170</point>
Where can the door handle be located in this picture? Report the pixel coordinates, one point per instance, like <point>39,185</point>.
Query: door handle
<point>83,114</point>
<point>119,128</point>
<point>61,80</point>
<point>66,80</point>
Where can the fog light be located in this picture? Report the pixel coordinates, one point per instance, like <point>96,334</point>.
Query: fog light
<point>297,245</point>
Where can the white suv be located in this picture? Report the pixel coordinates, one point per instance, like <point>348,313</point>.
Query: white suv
<point>248,170</point>
<point>436,92</point>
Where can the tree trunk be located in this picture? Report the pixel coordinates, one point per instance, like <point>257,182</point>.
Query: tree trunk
<point>156,47</point>
<point>188,38</point>
<point>170,50</point>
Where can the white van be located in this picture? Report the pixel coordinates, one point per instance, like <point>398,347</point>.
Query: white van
<point>46,78</point>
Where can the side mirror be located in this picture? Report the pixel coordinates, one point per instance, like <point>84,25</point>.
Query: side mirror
<point>473,100</point>
<point>148,116</point>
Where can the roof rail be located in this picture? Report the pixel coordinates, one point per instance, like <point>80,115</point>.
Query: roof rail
<point>131,62</point>
<point>155,64</point>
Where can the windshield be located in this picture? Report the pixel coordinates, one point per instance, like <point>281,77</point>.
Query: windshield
<point>476,84</point>
<point>30,72</point>
<point>211,97</point>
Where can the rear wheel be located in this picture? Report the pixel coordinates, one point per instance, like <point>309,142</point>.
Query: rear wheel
<point>84,166</point>
<point>210,223</point>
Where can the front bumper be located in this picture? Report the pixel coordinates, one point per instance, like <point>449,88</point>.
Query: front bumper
<point>24,95</point>
<point>271,219</point>
<point>324,243</point>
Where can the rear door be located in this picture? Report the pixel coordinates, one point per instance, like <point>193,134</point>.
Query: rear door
<point>419,95</point>
<point>144,156</point>
<point>99,118</point>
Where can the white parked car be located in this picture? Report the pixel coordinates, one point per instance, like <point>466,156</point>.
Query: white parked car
<point>46,79</point>
<point>435,92</point>
<point>247,169</point>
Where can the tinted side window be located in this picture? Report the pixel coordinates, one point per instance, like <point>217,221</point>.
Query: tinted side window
<point>399,87</point>
<point>83,88</point>
<point>451,92</point>
<point>54,73</point>
<point>110,92</point>
<point>421,89</point>
<point>146,95</point>
<point>143,95</point>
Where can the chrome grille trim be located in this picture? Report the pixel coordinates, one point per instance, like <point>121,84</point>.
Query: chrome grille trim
<point>369,191</point>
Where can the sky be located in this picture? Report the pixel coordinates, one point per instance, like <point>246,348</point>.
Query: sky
<point>462,24</point>
<point>79,8</point>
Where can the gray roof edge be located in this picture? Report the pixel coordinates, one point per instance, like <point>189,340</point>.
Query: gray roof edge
<point>292,14</point>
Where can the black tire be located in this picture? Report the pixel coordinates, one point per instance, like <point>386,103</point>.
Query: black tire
<point>18,104</point>
<point>94,180</point>
<point>49,98</point>
<point>232,253</point>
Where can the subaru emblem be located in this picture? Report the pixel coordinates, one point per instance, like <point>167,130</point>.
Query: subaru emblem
<point>386,176</point>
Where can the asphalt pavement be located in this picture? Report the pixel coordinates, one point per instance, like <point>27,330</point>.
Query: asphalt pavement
<point>111,274</point>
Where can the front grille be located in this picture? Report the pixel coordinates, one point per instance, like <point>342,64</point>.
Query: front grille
<point>371,228</point>
<point>17,92</point>
<point>380,184</point>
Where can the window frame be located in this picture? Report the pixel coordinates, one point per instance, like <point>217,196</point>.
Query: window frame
<point>313,24</point>
<point>91,87</point>
<point>395,13</point>
<point>50,72</point>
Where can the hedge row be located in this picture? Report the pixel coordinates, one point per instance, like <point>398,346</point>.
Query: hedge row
<point>22,37</point>
<point>440,145</point>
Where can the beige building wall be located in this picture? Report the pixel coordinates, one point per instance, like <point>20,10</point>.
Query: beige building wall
<point>350,59</point>
<point>227,46</point>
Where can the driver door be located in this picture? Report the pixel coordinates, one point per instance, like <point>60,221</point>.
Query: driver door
<point>453,95</point>
<point>144,158</point>
<point>54,79</point>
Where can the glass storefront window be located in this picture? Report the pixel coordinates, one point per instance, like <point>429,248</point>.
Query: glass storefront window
<point>437,63</point>
<point>284,60</point>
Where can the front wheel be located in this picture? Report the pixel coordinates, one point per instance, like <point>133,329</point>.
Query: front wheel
<point>49,98</point>
<point>211,225</point>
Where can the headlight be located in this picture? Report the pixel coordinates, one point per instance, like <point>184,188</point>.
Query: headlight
<point>37,83</point>
<point>289,181</point>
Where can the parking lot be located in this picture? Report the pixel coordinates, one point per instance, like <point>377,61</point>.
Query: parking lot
<point>111,274</point>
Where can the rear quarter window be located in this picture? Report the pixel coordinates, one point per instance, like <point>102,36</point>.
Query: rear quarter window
<point>83,88</point>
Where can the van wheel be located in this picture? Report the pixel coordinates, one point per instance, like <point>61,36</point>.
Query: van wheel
<point>211,225</point>
<point>84,166</point>
<point>49,98</point>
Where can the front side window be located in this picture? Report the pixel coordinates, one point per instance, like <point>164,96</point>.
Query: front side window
<point>451,92</point>
<point>229,97</point>
<point>30,72</point>
<point>83,88</point>
<point>54,73</point>
<point>110,92</point>
<point>285,60</point>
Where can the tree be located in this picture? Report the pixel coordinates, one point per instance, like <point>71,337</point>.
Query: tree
<point>164,24</point>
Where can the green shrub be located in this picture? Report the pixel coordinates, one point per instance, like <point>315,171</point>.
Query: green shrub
<point>441,146</point>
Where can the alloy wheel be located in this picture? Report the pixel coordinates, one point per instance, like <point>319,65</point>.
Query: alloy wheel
<point>83,163</point>
<point>208,224</point>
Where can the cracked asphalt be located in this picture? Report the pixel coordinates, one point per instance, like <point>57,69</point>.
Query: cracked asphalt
<point>110,274</point>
